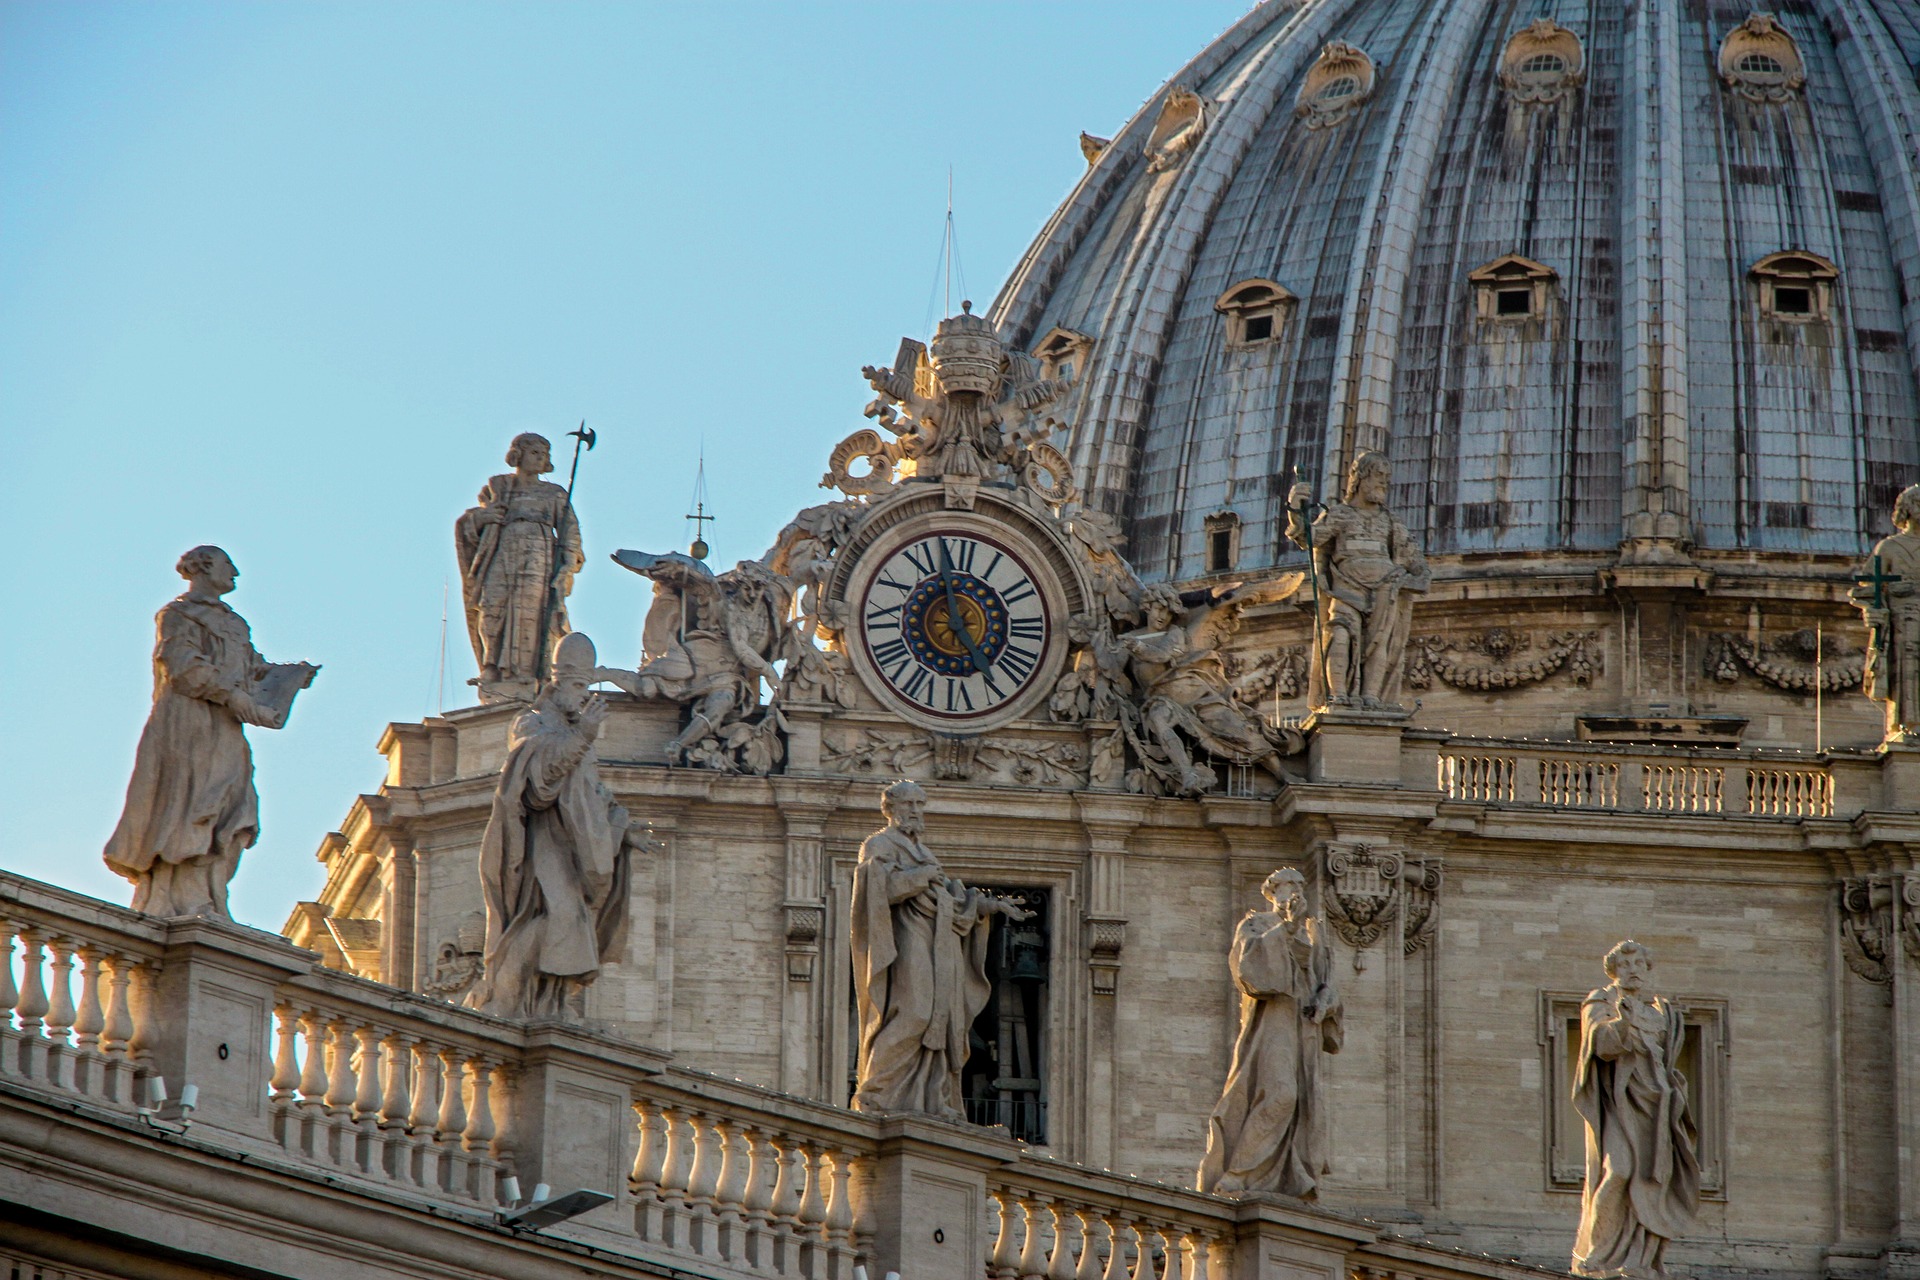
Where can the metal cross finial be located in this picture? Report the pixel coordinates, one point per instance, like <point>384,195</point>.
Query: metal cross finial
<point>1878,579</point>
<point>699,514</point>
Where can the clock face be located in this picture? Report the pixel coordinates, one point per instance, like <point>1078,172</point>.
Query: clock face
<point>955,626</point>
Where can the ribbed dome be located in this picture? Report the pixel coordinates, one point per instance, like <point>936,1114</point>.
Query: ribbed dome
<point>1587,270</point>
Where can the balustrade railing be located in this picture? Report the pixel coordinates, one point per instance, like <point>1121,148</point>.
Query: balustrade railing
<point>1579,776</point>
<point>1049,1224</point>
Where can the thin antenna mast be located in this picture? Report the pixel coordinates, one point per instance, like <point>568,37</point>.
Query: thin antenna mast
<point>440,681</point>
<point>1819,686</point>
<point>947,300</point>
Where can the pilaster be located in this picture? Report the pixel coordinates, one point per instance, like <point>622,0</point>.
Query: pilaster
<point>1109,821</point>
<point>805,807</point>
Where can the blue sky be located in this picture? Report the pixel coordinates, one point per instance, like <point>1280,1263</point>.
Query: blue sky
<point>287,277</point>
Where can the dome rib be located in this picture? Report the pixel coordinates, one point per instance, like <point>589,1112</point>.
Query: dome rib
<point>1361,402</point>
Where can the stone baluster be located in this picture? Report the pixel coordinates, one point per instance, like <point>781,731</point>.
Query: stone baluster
<point>1171,1259</point>
<point>1116,1248</point>
<point>451,1122</point>
<point>60,1015</point>
<point>478,1139</point>
<point>677,1217</point>
<point>283,1088</point>
<point>33,1005</point>
<point>863,1213</point>
<point>89,1021</point>
<point>341,1147</point>
<point>502,1101</point>
<point>1195,1252</point>
<point>730,1192</point>
<point>649,1169</point>
<point>424,1154</point>
<point>397,1155</point>
<point>9,999</point>
<point>1143,1268</point>
<point>704,1178</point>
<point>757,1206</point>
<point>1033,1256</point>
<point>1004,1262</point>
<point>840,1252</point>
<point>117,1036</point>
<point>145,1020</point>
<point>313,1082</point>
<point>1060,1261</point>
<point>789,1189</point>
<point>1091,1222</point>
<point>366,1099</point>
<point>813,1215</point>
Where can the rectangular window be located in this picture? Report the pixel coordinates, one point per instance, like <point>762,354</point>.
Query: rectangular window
<point>1257,328</point>
<point>1791,300</point>
<point>1220,551</point>
<point>1703,1061</point>
<point>1513,302</point>
<point>1005,1079</point>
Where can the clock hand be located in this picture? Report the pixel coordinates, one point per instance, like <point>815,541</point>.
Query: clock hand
<point>954,620</point>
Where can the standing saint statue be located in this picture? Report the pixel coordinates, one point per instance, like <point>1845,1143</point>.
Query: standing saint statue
<point>1643,1180</point>
<point>191,808</point>
<point>1367,564</point>
<point>919,965</point>
<point>554,863</point>
<point>1268,1132</point>
<point>519,549</point>
<point>1889,596</point>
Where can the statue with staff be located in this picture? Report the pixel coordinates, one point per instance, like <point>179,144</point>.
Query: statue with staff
<point>519,549</point>
<point>1888,595</point>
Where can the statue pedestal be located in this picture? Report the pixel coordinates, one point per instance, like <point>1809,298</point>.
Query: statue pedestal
<point>1354,744</point>
<point>1900,775</point>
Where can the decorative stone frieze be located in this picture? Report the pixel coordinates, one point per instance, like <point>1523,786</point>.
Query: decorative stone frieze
<point>954,758</point>
<point>1511,659</point>
<point>1786,662</point>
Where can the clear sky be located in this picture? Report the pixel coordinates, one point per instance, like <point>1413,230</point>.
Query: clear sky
<point>287,277</point>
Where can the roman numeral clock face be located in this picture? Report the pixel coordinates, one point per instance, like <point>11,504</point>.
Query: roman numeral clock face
<point>956,629</point>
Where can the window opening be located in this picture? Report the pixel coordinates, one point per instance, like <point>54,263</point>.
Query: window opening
<point>1789,300</point>
<point>1220,551</point>
<point>1339,87</point>
<point>1544,64</point>
<point>1761,64</point>
<point>1257,328</point>
<point>1513,302</point>
<point>1005,1079</point>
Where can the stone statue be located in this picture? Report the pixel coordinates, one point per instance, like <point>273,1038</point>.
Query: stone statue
<point>519,549</point>
<point>554,863</point>
<point>1182,690</point>
<point>1367,564</point>
<point>1268,1132</point>
<point>1889,596</point>
<point>708,643</point>
<point>919,965</point>
<point>1643,1181</point>
<point>191,808</point>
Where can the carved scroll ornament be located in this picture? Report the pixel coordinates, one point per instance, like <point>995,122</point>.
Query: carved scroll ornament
<point>1866,926</point>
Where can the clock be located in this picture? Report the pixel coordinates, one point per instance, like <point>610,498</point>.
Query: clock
<point>955,626</point>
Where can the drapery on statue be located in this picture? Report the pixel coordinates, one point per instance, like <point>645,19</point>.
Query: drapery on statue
<point>519,549</point>
<point>1643,1180</point>
<point>554,864</point>
<point>1183,690</point>
<point>919,965</point>
<point>1889,596</point>
<point>1268,1132</point>
<point>1367,563</point>
<point>191,808</point>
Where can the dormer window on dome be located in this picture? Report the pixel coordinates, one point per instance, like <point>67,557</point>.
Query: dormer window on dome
<point>1543,62</point>
<point>1340,80</point>
<point>1512,290</point>
<point>1063,353</point>
<point>1760,62</point>
<point>1794,286</point>
<point>1257,312</point>
<point>1223,541</point>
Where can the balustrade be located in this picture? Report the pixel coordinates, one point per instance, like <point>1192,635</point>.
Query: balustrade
<point>1563,777</point>
<point>1063,1233</point>
<point>89,1046</point>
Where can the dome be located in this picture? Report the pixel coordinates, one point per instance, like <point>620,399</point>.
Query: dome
<point>1604,281</point>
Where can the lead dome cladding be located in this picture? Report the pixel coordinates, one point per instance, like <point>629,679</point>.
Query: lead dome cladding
<point>1368,157</point>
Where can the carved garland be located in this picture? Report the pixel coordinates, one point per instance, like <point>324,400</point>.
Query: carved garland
<point>1431,658</point>
<point>1787,663</point>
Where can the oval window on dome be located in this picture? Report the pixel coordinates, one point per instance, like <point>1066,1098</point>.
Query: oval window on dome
<point>1544,65</point>
<point>1338,88</point>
